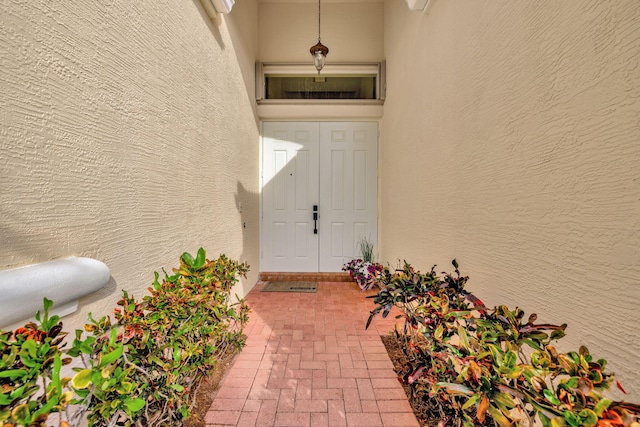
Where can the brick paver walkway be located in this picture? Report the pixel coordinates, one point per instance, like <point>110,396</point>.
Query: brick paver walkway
<point>310,362</point>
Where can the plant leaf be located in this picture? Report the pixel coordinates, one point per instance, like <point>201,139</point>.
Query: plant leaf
<point>12,374</point>
<point>456,388</point>
<point>31,347</point>
<point>471,401</point>
<point>82,379</point>
<point>22,414</point>
<point>413,377</point>
<point>551,397</point>
<point>200,259</point>
<point>464,339</point>
<point>557,422</point>
<point>177,387</point>
<point>134,405</point>
<point>45,409</point>
<point>498,416</point>
<point>55,374</point>
<point>187,258</point>
<point>111,356</point>
<point>482,408</point>
<point>156,283</point>
<point>369,321</point>
<point>601,406</point>
<point>589,418</point>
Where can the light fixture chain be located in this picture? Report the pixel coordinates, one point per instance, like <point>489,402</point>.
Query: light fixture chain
<point>318,21</point>
<point>319,51</point>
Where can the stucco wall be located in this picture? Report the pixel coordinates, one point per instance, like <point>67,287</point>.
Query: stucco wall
<point>127,135</point>
<point>511,141</point>
<point>353,32</point>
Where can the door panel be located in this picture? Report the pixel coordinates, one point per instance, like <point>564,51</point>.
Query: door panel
<point>348,190</point>
<point>329,164</point>
<point>289,191</point>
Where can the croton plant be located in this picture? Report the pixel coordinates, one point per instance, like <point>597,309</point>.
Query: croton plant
<point>477,366</point>
<point>142,370</point>
<point>31,385</point>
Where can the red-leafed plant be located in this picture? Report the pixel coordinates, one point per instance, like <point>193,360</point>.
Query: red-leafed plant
<point>476,366</point>
<point>31,385</point>
<point>142,370</point>
<point>146,368</point>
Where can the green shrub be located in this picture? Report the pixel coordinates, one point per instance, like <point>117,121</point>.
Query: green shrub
<point>145,370</point>
<point>474,366</point>
<point>366,249</point>
<point>31,387</point>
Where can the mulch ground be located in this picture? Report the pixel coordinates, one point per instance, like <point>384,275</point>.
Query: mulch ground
<point>207,390</point>
<point>420,409</point>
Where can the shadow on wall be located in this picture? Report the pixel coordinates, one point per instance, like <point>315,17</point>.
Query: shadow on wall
<point>213,24</point>
<point>23,244</point>
<point>242,26</point>
<point>247,203</point>
<point>108,292</point>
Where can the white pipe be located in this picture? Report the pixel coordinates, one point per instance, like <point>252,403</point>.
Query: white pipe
<point>64,281</point>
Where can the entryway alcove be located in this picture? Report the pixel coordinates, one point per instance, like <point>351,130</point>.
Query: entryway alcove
<point>319,193</point>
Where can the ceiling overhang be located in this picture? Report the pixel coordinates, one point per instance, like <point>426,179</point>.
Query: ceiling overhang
<point>412,4</point>
<point>418,4</point>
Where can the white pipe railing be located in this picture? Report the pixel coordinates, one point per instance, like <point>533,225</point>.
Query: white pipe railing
<point>64,281</point>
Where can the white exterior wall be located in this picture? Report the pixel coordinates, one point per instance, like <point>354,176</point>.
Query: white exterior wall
<point>511,141</point>
<point>126,135</point>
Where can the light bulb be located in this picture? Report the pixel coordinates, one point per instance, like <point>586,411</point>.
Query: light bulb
<point>318,60</point>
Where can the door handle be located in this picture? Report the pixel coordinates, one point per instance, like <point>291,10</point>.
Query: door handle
<point>315,219</point>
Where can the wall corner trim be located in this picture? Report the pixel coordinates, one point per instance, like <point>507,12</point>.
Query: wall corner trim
<point>64,281</point>
<point>213,7</point>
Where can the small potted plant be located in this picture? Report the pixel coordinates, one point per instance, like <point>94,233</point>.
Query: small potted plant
<point>364,271</point>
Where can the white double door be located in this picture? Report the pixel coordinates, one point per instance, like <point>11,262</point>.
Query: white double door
<point>319,194</point>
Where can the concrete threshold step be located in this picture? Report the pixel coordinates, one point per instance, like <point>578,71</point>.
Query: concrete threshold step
<point>305,277</point>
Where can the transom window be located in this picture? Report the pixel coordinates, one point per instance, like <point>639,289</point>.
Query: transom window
<point>302,82</point>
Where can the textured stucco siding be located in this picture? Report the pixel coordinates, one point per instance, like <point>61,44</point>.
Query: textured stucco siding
<point>511,141</point>
<point>126,135</point>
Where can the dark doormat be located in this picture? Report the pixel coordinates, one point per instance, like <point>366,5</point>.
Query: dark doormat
<point>291,287</point>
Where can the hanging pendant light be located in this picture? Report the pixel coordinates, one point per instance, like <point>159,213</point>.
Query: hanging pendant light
<point>319,51</point>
